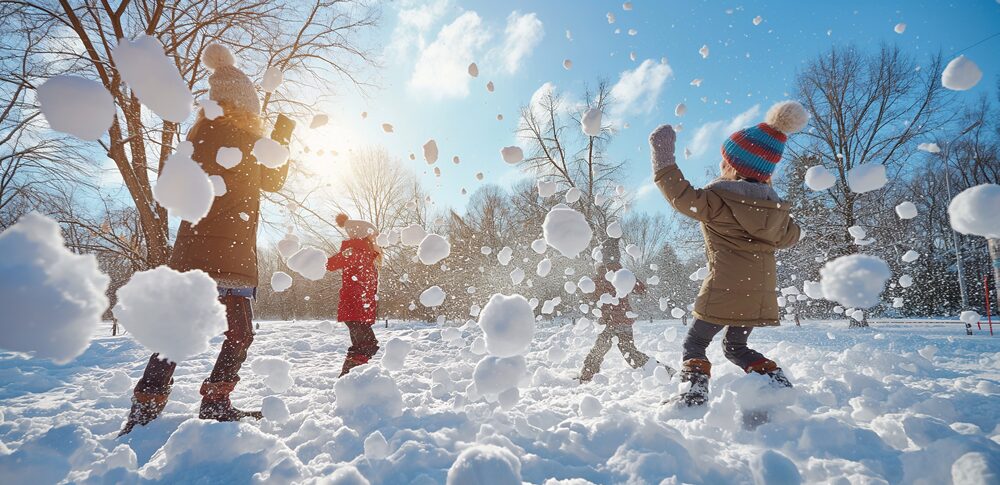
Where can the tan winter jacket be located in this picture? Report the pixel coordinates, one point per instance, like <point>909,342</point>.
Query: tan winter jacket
<point>743,224</point>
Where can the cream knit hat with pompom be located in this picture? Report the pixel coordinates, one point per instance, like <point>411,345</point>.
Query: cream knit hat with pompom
<point>227,84</point>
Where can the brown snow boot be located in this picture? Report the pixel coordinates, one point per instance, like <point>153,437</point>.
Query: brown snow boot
<point>696,373</point>
<point>770,368</point>
<point>145,408</point>
<point>215,403</point>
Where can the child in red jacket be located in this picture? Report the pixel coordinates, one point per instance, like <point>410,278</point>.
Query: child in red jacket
<point>358,259</point>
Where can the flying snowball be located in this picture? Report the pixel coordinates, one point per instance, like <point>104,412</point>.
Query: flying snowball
<point>77,106</point>
<point>900,28</point>
<point>866,178</point>
<point>473,70</point>
<point>910,256</point>
<point>567,231</point>
<point>546,189</point>
<point>757,20</point>
<point>567,64</point>
<point>432,297</point>
<point>614,230</point>
<point>273,77</point>
<point>183,187</point>
<point>270,153</point>
<point>818,178</point>
<point>504,255</point>
<point>624,282</point>
<point>508,323</point>
<point>929,147</point>
<point>680,109</point>
<point>228,157</point>
<point>703,51</point>
<point>976,211</point>
<point>961,74</point>
<point>906,210</point>
<point>430,152</point>
<point>906,281</point>
<point>319,120</point>
<point>573,195</point>
<point>591,122</point>
<point>856,280</point>
<point>512,154</point>
<point>308,262</point>
<point>153,78</point>
<point>433,249</point>
<point>280,281</point>
<point>412,235</point>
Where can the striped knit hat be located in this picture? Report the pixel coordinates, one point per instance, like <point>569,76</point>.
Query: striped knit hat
<point>754,152</point>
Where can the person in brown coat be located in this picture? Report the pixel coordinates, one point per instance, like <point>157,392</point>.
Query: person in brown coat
<point>743,222</point>
<point>617,324</point>
<point>223,244</point>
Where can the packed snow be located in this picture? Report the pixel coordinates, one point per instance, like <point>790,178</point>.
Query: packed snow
<point>412,235</point>
<point>228,157</point>
<point>309,262</point>
<point>172,313</point>
<point>280,281</point>
<point>512,154</point>
<point>906,210</point>
<point>433,248</point>
<point>591,122</point>
<point>961,74</point>
<point>818,178</point>
<point>77,106</point>
<point>432,297</point>
<point>273,77</point>
<point>508,324</point>
<point>183,187</point>
<point>153,77</point>
<point>567,231</point>
<point>866,178</point>
<point>270,153</point>
<point>976,211</point>
<point>855,280</point>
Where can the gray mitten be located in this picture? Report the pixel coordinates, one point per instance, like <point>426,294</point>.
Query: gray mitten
<point>661,147</point>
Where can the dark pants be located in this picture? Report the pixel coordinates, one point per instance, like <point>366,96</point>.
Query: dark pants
<point>158,376</point>
<point>734,344</point>
<point>363,345</point>
<point>626,344</point>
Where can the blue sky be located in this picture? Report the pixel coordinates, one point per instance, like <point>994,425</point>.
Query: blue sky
<point>425,47</point>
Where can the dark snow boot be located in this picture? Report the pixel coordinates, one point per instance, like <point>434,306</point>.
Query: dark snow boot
<point>695,372</point>
<point>215,403</point>
<point>145,408</point>
<point>770,369</point>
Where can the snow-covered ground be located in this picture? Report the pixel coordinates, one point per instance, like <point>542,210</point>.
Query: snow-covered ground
<point>894,403</point>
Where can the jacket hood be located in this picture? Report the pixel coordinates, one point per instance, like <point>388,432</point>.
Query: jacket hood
<point>756,208</point>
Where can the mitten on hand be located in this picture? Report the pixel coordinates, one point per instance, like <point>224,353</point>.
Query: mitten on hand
<point>661,147</point>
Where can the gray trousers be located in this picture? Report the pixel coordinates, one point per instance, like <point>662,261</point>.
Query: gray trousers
<point>626,344</point>
<point>734,343</point>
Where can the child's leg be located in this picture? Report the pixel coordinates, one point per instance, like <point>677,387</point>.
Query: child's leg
<point>592,364</point>
<point>734,346</point>
<point>626,343</point>
<point>699,335</point>
<point>363,346</point>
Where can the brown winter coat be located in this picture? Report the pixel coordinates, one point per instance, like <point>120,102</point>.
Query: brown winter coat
<point>741,235</point>
<point>224,243</point>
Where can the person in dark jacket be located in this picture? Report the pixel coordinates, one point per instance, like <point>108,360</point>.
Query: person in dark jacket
<point>358,261</point>
<point>223,244</point>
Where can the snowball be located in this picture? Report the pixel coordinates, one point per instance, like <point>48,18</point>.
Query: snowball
<point>508,323</point>
<point>280,281</point>
<point>906,210</point>
<point>432,297</point>
<point>433,249</point>
<point>573,195</point>
<point>512,154</point>
<point>929,147</point>
<point>703,51</point>
<point>430,152</point>
<point>857,232</point>
<point>153,78</point>
<point>591,122</point>
<point>486,250</point>
<point>218,185</point>
<point>700,274</point>
<point>228,157</point>
<point>544,267</point>
<point>900,28</point>
<point>813,289</point>
<point>961,74</point>
<point>309,262</point>
<point>680,109</point>
<point>517,276</point>
<point>494,375</point>
<point>504,255</point>
<point>653,280</point>
<point>614,230</point>
<point>473,70</point>
<point>569,287</point>
<point>172,313</point>
<point>51,298</point>
<point>855,280</point>
<point>275,372</point>
<point>611,18</point>
<point>633,251</point>
<point>819,178</point>
<point>677,313</point>
<point>906,281</point>
<point>975,211</point>
<point>183,187</point>
<point>412,235</point>
<point>546,189</point>
<point>627,6</point>
<point>274,409</point>
<point>77,106</point>
<point>624,282</point>
<point>567,231</point>
<point>394,355</point>
<point>590,407</point>
<point>319,120</point>
<point>910,256</point>
<point>757,20</point>
<point>270,153</point>
<point>586,284</point>
<point>970,317</point>
<point>489,87</point>
<point>897,302</point>
<point>366,395</point>
<point>866,178</point>
<point>538,245</point>
<point>567,64</point>
<point>486,465</point>
<point>273,77</point>
<point>288,246</point>
<point>376,447</point>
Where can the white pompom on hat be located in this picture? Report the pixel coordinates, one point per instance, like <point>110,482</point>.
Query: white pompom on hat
<point>228,84</point>
<point>787,117</point>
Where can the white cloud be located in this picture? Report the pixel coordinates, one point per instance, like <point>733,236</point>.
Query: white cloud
<point>441,70</point>
<point>645,189</point>
<point>637,90</point>
<point>712,133</point>
<point>414,20</point>
<point>522,35</point>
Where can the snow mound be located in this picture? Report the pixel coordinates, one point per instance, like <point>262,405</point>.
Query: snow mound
<point>376,447</point>
<point>412,235</point>
<point>974,211</point>
<point>818,178</point>
<point>183,187</point>
<point>430,152</point>
<point>567,231</point>
<point>508,323</point>
<point>309,262</point>
<point>485,465</point>
<point>677,313</point>
<point>366,396</point>
<point>961,74</point>
<point>52,298</point>
<point>433,249</point>
<point>396,350</point>
<point>77,106</point>
<point>275,371</point>
<point>171,313</point>
<point>591,122</point>
<point>906,210</point>
<point>432,297</point>
<point>154,78</point>
<point>275,409</point>
<point>512,154</point>
<point>270,153</point>
<point>856,280</point>
<point>866,178</point>
<point>280,281</point>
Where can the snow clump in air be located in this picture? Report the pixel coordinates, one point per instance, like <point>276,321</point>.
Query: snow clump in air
<point>546,189</point>
<point>183,187</point>
<point>171,313</point>
<point>228,157</point>
<point>856,280</point>
<point>412,235</point>
<point>432,297</point>
<point>906,210</point>
<point>566,230</point>
<point>273,77</point>
<point>976,211</point>
<point>51,298</point>
<point>433,249</point>
<point>153,78</point>
<point>280,281</point>
<point>270,153</point>
<point>430,152</point>
<point>866,178</point>
<point>624,282</point>
<point>508,324</point>
<point>504,255</point>
<point>512,154</point>
<point>818,178</point>
<point>288,245</point>
<point>309,262</point>
<point>77,106</point>
<point>591,122</point>
<point>614,230</point>
<point>961,74</point>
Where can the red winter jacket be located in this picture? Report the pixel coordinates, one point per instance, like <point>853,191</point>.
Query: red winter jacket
<point>358,300</point>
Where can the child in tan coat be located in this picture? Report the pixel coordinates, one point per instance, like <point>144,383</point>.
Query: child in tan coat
<point>743,222</point>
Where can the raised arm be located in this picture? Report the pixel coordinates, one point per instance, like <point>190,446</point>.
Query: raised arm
<point>687,200</point>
